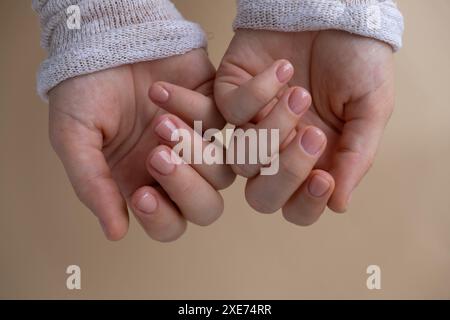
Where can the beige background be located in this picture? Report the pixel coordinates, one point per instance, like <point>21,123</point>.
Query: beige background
<point>400,217</point>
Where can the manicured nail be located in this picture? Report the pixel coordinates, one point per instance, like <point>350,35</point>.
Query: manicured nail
<point>313,140</point>
<point>162,162</point>
<point>318,186</point>
<point>167,130</point>
<point>159,94</point>
<point>285,72</point>
<point>299,101</point>
<point>147,204</point>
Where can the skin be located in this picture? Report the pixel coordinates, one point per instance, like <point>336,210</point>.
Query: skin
<point>351,81</point>
<point>103,127</point>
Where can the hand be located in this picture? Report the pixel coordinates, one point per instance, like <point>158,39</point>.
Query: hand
<point>106,131</point>
<point>351,81</point>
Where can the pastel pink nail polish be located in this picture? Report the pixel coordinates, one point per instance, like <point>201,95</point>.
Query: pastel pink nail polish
<point>159,94</point>
<point>312,141</point>
<point>285,72</point>
<point>147,204</point>
<point>318,186</point>
<point>167,130</point>
<point>299,101</point>
<point>162,162</point>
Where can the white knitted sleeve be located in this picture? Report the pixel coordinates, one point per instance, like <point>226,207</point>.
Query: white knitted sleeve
<point>378,19</point>
<point>111,33</point>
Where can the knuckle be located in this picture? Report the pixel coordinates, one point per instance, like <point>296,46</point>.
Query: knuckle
<point>299,218</point>
<point>168,231</point>
<point>259,95</point>
<point>362,160</point>
<point>290,172</point>
<point>224,180</point>
<point>245,171</point>
<point>260,204</point>
<point>86,187</point>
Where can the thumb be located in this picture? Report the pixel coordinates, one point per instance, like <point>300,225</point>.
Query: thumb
<point>357,146</point>
<point>240,96</point>
<point>79,148</point>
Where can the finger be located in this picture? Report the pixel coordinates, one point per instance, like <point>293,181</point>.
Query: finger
<point>196,198</point>
<point>158,216</point>
<point>187,104</point>
<point>242,152</point>
<point>80,151</point>
<point>284,117</point>
<point>268,193</point>
<point>239,103</point>
<point>357,147</point>
<point>308,203</point>
<point>207,158</point>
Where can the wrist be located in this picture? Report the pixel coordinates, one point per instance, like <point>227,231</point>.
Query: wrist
<point>111,34</point>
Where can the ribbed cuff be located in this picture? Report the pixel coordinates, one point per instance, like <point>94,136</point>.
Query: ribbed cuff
<point>112,33</point>
<point>378,19</point>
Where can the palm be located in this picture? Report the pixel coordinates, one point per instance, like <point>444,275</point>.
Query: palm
<point>350,79</point>
<point>110,111</point>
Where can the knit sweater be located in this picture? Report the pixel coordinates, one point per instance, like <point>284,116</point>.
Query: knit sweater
<point>85,36</point>
<point>111,33</point>
<point>378,19</point>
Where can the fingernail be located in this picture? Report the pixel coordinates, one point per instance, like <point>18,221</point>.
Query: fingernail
<point>318,186</point>
<point>147,204</point>
<point>299,101</point>
<point>312,141</point>
<point>285,72</point>
<point>159,94</point>
<point>167,130</point>
<point>162,162</point>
